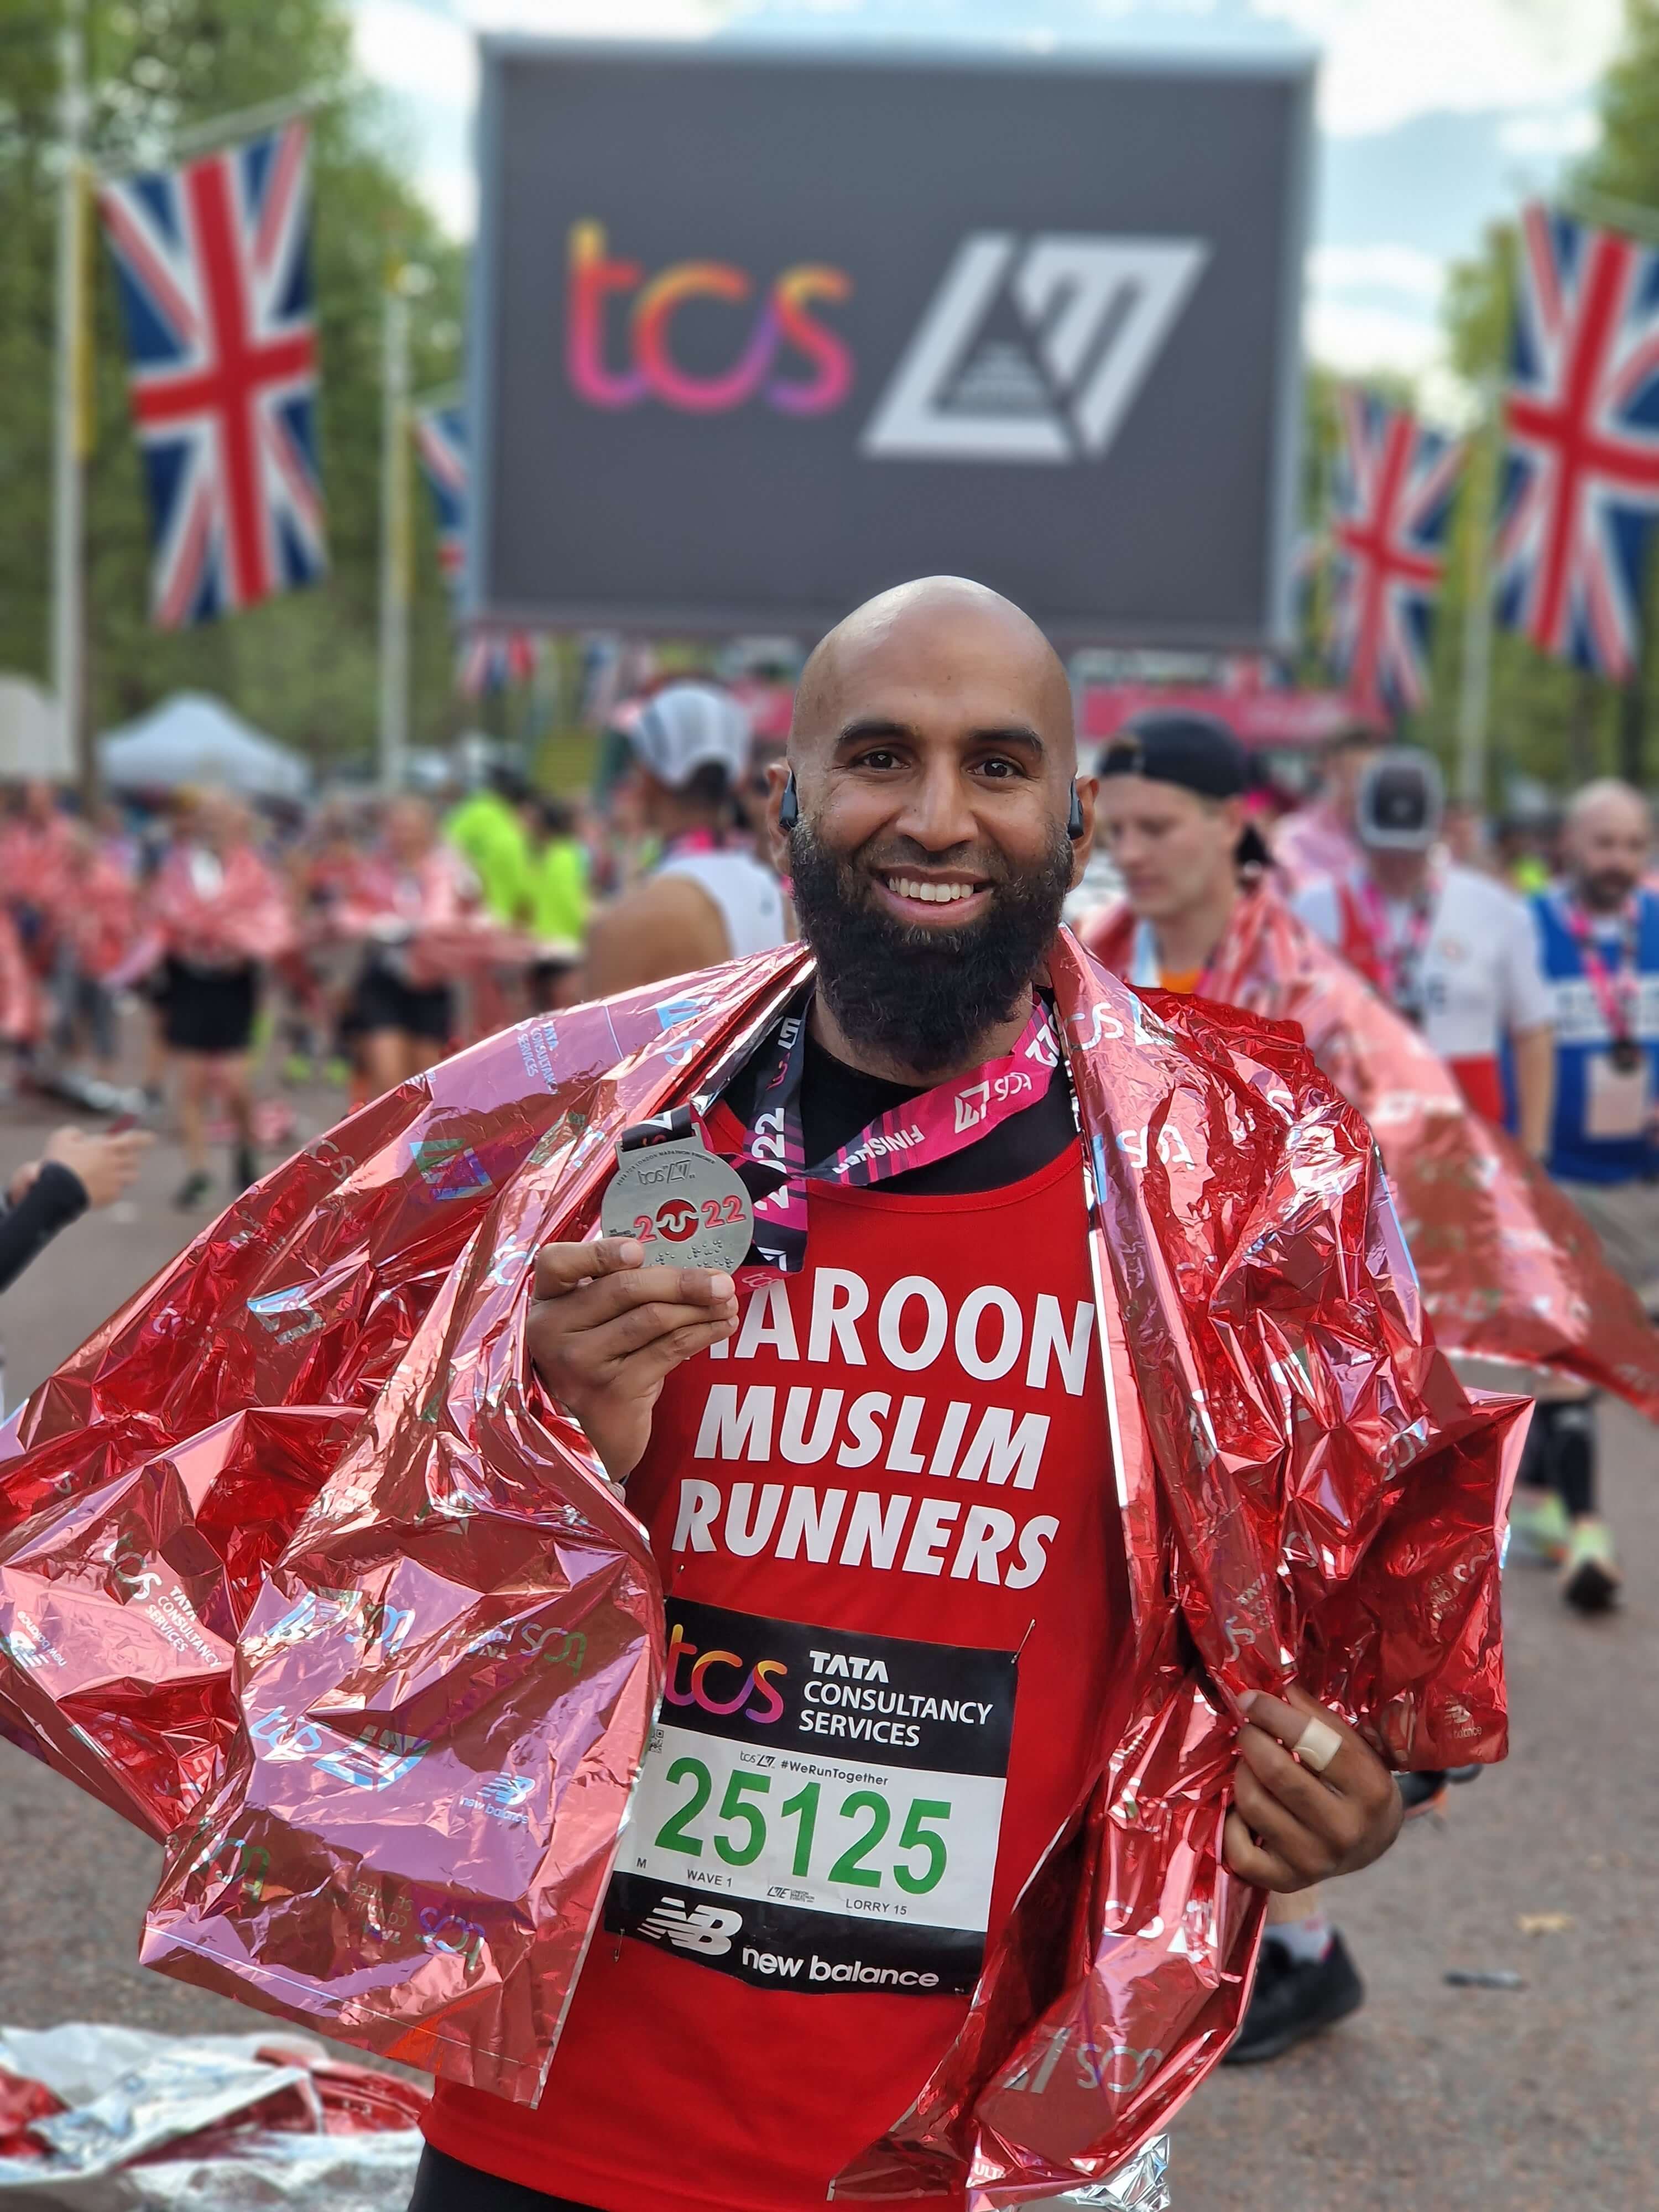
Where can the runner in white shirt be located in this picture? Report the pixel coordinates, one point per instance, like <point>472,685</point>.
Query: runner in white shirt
<point>1452,949</point>
<point>708,899</point>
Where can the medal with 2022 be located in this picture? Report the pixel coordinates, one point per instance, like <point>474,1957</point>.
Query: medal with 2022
<point>677,1198</point>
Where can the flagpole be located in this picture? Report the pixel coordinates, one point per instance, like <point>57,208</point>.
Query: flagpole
<point>1474,702</point>
<point>402,281</point>
<point>70,366</point>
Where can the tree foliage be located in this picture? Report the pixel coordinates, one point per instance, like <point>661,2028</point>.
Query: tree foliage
<point>303,665</point>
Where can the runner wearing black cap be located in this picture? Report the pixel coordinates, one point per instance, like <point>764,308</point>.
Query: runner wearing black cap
<point>1170,814</point>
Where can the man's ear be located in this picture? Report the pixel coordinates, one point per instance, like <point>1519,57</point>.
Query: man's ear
<point>780,779</point>
<point>1085,788</point>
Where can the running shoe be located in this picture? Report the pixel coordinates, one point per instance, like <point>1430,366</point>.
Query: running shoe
<point>1538,1527</point>
<point>1589,1579</point>
<point>1293,1999</point>
<point>1422,1793</point>
<point>192,1192</point>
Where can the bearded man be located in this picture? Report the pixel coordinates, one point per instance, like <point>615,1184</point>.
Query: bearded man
<point>960,1523</point>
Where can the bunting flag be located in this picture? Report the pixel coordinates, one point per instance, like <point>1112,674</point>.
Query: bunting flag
<point>1580,483</point>
<point>489,660</point>
<point>495,660</point>
<point>214,266</point>
<point>1392,499</point>
<point>440,448</point>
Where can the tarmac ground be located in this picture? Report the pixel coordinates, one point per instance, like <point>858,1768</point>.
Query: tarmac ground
<point>1432,2099</point>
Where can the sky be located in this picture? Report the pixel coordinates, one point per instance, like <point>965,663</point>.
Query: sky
<point>1435,115</point>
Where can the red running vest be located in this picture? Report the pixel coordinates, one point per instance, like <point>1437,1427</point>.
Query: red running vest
<point>886,1520</point>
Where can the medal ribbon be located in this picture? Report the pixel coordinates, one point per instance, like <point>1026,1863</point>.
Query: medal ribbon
<point>1615,989</point>
<point>1401,957</point>
<point>915,1134</point>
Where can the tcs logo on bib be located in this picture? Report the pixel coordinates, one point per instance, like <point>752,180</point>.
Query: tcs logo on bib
<point>778,340</point>
<point>705,1679</point>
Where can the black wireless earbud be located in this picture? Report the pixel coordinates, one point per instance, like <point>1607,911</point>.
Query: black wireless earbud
<point>1074,819</point>
<point>789,804</point>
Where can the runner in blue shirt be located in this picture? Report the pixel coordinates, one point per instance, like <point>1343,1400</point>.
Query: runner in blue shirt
<point>1598,943</point>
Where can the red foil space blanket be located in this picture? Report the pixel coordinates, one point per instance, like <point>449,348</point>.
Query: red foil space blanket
<point>296,1557</point>
<point>1509,1269</point>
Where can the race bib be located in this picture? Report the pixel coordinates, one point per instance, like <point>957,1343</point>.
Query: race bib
<point>1621,1100</point>
<point>818,1810</point>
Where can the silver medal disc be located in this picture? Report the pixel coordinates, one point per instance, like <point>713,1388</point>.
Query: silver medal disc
<point>685,1205</point>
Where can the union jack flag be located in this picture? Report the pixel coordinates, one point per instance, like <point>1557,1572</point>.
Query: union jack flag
<point>214,266</point>
<point>1392,502</point>
<point>1581,465</point>
<point>440,445</point>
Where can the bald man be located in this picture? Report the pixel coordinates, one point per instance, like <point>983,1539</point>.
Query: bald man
<point>931,820</point>
<point>1598,946</point>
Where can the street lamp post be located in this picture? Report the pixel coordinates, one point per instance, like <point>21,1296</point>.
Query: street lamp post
<point>68,398</point>
<point>405,282</point>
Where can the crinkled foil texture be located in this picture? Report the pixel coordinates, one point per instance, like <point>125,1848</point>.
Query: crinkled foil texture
<point>123,2120</point>
<point>1509,1268</point>
<point>301,1572</point>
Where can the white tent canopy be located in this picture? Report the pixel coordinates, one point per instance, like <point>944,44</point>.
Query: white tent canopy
<point>191,738</point>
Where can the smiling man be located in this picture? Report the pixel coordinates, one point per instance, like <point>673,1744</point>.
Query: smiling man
<point>927,1319</point>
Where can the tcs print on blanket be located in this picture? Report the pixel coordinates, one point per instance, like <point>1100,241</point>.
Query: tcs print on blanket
<point>302,1571</point>
<point>1510,1268</point>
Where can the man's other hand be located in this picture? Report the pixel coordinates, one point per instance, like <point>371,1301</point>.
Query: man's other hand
<point>605,1332</point>
<point>1292,1826</point>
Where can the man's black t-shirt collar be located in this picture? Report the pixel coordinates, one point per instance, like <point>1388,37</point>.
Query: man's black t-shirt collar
<point>838,1102</point>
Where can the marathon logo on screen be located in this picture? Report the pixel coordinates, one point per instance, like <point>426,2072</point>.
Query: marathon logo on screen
<point>1031,350</point>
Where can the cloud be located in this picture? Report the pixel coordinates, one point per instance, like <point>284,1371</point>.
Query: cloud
<point>414,50</point>
<point>1356,339</point>
<point>1557,134</point>
<point>1402,270</point>
<point>451,193</point>
<point>618,19</point>
<point>1385,61</point>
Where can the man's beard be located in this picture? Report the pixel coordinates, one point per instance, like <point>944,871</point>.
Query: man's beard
<point>924,997</point>
<point>1608,888</point>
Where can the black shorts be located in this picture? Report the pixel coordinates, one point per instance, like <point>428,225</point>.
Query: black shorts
<point>208,1009</point>
<point>444,2185</point>
<point>382,1000</point>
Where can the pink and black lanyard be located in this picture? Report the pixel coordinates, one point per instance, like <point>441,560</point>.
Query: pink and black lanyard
<point>1616,989</point>
<point>1401,957</point>
<point>932,1127</point>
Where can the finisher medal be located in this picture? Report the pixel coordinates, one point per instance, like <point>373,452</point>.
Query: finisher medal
<point>677,1198</point>
<point>1626,1054</point>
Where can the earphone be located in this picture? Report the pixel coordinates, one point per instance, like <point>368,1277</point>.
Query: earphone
<point>789,809</point>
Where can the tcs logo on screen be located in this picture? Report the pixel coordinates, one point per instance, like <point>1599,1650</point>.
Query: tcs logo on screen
<point>784,355</point>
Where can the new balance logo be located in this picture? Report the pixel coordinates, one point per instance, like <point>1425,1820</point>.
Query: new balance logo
<point>1034,351</point>
<point>705,1928</point>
